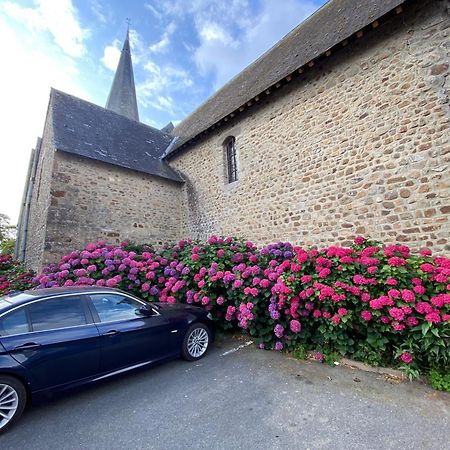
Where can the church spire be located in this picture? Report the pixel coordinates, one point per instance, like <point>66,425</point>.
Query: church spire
<point>122,97</point>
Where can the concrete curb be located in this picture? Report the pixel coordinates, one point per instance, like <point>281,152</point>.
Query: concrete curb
<point>366,368</point>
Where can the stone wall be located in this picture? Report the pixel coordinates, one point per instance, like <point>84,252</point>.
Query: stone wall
<point>93,200</point>
<point>359,144</point>
<point>34,240</point>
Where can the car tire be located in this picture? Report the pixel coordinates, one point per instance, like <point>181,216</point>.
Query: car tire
<point>196,342</point>
<point>12,395</point>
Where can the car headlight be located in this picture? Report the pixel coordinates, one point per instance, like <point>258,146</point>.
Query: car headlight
<point>209,316</point>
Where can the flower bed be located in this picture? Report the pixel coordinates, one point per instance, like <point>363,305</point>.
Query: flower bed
<point>373,302</point>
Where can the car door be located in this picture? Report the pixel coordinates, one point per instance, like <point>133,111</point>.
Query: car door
<point>128,337</point>
<point>55,339</point>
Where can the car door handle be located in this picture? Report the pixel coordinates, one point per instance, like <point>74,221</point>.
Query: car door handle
<point>111,333</point>
<point>27,346</point>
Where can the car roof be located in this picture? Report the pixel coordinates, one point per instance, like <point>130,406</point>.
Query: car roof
<point>17,298</point>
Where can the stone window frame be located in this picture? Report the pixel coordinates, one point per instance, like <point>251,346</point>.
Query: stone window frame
<point>230,156</point>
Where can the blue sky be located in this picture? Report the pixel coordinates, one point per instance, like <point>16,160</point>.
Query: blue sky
<point>183,51</point>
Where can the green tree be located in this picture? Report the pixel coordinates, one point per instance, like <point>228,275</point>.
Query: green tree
<point>7,235</point>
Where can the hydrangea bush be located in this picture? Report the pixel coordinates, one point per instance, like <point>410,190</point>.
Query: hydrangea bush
<point>13,276</point>
<point>373,302</point>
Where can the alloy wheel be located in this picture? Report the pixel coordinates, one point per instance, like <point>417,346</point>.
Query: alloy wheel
<point>197,343</point>
<point>9,402</point>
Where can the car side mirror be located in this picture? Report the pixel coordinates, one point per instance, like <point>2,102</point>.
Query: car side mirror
<point>146,311</point>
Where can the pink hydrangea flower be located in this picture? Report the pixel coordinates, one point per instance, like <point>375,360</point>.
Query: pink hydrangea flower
<point>412,321</point>
<point>318,356</point>
<point>427,267</point>
<point>323,273</point>
<point>397,314</point>
<point>295,326</point>
<point>406,357</point>
<point>408,296</point>
<point>336,319</point>
<point>396,261</point>
<point>394,293</point>
<point>397,326</point>
<point>433,317</point>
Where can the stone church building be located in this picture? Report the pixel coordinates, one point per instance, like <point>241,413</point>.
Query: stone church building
<point>341,128</point>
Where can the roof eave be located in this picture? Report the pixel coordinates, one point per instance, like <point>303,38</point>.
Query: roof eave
<point>171,177</point>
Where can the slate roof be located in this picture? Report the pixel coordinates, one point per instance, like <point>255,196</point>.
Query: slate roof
<point>336,21</point>
<point>88,130</point>
<point>122,96</point>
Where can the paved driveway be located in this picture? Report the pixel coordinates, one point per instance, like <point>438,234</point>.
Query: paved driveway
<point>247,399</point>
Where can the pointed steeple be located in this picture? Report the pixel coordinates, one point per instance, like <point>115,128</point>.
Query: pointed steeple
<point>122,97</point>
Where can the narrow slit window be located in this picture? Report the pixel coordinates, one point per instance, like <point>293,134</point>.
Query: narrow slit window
<point>230,149</point>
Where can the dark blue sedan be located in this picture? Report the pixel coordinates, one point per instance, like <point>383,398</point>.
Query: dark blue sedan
<point>54,339</point>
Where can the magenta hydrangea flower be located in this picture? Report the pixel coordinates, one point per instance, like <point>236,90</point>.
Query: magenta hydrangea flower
<point>295,326</point>
<point>406,357</point>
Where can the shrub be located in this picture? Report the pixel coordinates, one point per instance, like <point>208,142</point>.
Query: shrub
<point>440,380</point>
<point>374,302</point>
<point>13,276</point>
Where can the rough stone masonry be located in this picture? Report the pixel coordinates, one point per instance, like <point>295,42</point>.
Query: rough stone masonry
<point>358,145</point>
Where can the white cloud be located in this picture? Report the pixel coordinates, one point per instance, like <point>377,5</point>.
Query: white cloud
<point>233,34</point>
<point>104,15</point>
<point>138,47</point>
<point>224,57</point>
<point>163,44</point>
<point>211,31</point>
<point>38,64</point>
<point>59,18</point>
<point>153,10</point>
<point>111,55</point>
<point>158,82</point>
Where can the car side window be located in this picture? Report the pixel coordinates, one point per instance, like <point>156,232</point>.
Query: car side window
<point>15,322</point>
<point>112,307</point>
<point>59,312</point>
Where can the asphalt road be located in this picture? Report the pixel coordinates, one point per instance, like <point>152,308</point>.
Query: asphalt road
<point>247,399</point>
